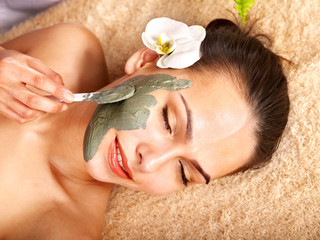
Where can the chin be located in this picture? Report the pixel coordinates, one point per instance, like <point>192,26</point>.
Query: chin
<point>98,170</point>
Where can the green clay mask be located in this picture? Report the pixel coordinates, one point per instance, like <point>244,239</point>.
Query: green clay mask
<point>116,94</point>
<point>128,113</point>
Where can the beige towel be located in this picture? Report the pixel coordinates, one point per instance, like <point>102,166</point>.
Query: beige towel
<point>280,201</point>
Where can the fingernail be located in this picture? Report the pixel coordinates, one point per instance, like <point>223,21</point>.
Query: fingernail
<point>64,107</point>
<point>67,95</point>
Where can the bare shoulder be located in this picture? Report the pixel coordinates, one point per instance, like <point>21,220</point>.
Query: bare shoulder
<point>69,49</point>
<point>57,222</point>
<point>53,222</point>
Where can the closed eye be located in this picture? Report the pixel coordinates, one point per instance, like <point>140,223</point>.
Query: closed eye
<point>183,175</point>
<point>165,118</point>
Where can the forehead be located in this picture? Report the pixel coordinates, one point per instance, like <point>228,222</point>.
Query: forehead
<point>222,124</point>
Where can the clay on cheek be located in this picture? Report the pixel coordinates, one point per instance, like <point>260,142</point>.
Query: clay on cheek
<point>128,113</point>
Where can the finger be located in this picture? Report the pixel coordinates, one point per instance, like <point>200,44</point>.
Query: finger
<point>9,113</point>
<point>24,111</point>
<point>15,107</point>
<point>37,102</point>
<point>44,83</point>
<point>39,66</point>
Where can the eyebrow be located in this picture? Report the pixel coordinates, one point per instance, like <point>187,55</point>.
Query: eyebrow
<point>189,130</point>
<point>189,136</point>
<point>200,170</point>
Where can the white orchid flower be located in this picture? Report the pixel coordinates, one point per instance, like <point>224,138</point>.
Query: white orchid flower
<point>178,43</point>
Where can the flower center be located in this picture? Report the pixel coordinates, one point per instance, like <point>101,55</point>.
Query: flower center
<point>165,44</point>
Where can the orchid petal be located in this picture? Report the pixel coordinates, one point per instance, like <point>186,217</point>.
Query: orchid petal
<point>184,56</point>
<point>178,61</point>
<point>188,46</point>
<point>178,43</point>
<point>171,27</point>
<point>197,32</point>
<point>161,61</point>
<point>146,41</point>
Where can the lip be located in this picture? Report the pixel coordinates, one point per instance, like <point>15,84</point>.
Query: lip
<point>124,160</point>
<point>113,161</point>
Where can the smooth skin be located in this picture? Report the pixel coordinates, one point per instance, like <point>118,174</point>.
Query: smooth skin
<point>48,190</point>
<point>221,141</point>
<point>38,201</point>
<point>26,69</point>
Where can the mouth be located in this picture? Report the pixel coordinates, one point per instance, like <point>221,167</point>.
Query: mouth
<point>118,161</point>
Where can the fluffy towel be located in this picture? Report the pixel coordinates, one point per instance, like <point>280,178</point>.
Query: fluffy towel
<point>280,201</point>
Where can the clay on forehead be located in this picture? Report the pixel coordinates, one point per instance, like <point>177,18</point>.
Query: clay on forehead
<point>129,113</point>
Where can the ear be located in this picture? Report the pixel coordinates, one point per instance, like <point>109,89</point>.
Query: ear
<point>139,59</point>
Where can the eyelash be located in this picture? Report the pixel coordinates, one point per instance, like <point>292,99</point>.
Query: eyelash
<point>183,175</point>
<point>167,126</point>
<point>165,118</point>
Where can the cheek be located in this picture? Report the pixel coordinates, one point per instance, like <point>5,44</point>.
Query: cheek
<point>97,169</point>
<point>154,129</point>
<point>160,184</point>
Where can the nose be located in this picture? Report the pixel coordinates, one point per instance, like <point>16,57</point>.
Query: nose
<point>154,156</point>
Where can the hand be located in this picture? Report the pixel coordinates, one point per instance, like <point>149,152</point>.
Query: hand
<point>20,103</point>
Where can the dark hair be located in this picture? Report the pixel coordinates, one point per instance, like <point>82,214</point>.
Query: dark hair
<point>261,79</point>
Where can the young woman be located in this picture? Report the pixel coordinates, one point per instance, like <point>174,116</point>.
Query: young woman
<point>227,116</point>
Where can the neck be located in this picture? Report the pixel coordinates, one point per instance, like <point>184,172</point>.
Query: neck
<point>66,138</point>
<point>67,164</point>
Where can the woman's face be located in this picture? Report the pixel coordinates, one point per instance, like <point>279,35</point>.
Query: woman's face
<point>191,136</point>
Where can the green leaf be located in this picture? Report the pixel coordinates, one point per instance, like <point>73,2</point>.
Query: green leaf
<point>242,7</point>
